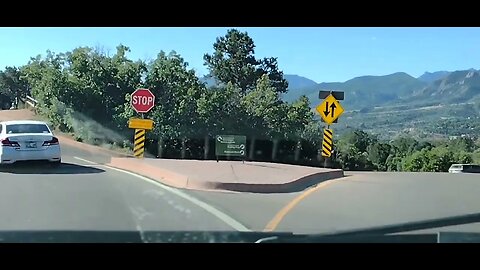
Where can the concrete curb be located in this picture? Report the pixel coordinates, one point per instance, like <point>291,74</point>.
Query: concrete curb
<point>296,185</point>
<point>181,181</point>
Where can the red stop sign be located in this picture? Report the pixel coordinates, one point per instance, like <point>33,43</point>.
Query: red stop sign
<point>142,100</point>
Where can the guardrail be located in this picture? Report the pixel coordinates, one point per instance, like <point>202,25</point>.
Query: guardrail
<point>31,101</point>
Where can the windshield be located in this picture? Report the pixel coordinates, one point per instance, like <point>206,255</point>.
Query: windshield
<point>244,129</point>
<point>27,128</point>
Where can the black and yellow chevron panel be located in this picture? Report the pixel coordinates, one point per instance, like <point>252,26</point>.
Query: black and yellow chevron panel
<point>327,145</point>
<point>139,143</point>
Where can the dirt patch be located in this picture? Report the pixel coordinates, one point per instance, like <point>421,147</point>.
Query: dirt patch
<point>23,114</point>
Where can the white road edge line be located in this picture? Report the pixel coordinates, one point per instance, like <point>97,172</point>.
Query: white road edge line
<point>87,161</point>
<point>212,210</point>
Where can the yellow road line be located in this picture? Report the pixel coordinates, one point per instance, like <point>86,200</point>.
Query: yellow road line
<point>272,225</point>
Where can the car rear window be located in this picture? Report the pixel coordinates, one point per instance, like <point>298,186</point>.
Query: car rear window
<point>456,167</point>
<point>26,128</point>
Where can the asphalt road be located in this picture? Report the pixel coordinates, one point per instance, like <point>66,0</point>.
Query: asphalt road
<point>84,194</point>
<point>360,200</point>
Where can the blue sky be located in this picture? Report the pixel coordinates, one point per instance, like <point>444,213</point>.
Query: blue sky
<point>321,54</point>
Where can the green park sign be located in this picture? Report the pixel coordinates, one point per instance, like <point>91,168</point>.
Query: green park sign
<point>230,145</point>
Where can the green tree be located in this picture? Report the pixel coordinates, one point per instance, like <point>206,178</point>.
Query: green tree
<point>359,139</point>
<point>463,157</point>
<point>177,90</point>
<point>84,88</point>
<point>299,116</point>
<point>416,161</point>
<point>462,144</point>
<point>422,145</point>
<point>101,82</point>
<point>394,163</point>
<point>50,86</point>
<point>404,146</point>
<point>273,118</point>
<point>233,61</point>
<point>439,160</point>
<point>12,84</point>
<point>351,159</point>
<point>312,134</point>
<point>221,111</point>
<point>378,154</point>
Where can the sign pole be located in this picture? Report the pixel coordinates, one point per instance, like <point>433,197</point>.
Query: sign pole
<point>142,101</point>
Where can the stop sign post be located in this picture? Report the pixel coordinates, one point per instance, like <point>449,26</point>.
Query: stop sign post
<point>142,100</point>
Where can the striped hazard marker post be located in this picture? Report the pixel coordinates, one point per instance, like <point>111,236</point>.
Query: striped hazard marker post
<point>327,145</point>
<point>141,126</point>
<point>139,145</point>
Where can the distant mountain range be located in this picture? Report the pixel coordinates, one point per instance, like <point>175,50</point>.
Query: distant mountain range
<point>457,87</point>
<point>431,77</point>
<point>393,89</point>
<point>363,91</point>
<point>298,82</point>
<point>397,88</point>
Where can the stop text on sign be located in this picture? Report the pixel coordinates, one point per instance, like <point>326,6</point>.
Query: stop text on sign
<point>142,100</point>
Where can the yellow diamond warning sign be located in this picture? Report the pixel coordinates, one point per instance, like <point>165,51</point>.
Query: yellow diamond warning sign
<point>330,109</point>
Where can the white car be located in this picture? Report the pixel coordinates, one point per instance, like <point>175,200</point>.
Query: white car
<point>28,140</point>
<point>464,168</point>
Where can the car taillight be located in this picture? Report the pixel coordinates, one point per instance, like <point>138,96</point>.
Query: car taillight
<point>7,142</point>
<point>53,141</point>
